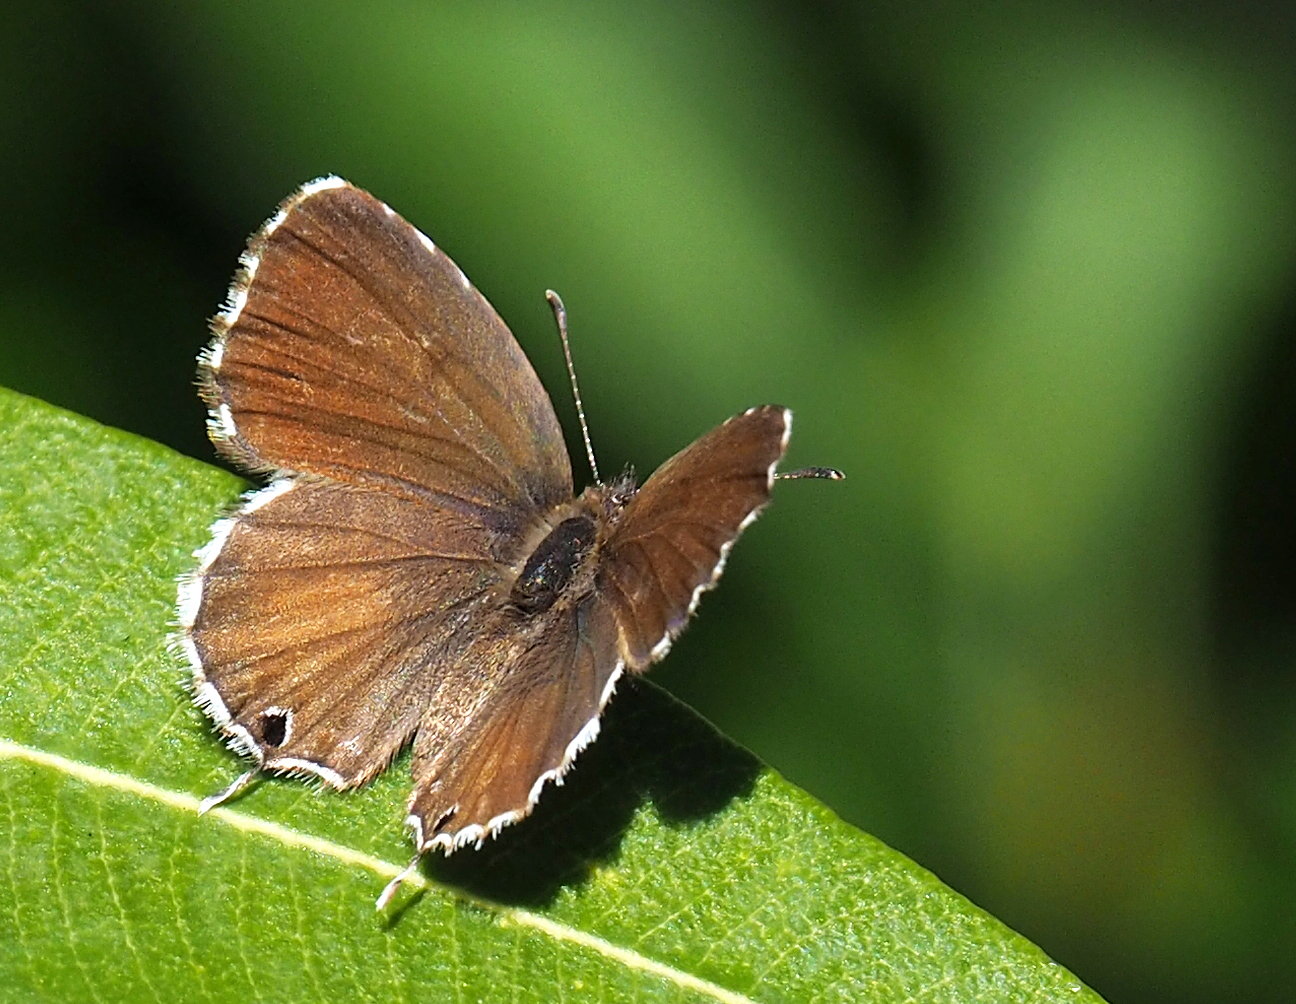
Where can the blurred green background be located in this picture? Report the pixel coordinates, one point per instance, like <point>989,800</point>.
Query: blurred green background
<point>1026,272</point>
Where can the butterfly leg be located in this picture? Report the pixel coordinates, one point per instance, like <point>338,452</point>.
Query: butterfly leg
<point>390,890</point>
<point>235,786</point>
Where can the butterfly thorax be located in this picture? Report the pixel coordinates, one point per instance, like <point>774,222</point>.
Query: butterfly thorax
<point>564,558</point>
<point>553,564</point>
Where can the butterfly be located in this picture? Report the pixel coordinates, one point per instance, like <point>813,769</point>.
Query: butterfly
<point>419,568</point>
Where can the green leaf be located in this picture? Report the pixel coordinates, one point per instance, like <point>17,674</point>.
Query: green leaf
<point>671,866</point>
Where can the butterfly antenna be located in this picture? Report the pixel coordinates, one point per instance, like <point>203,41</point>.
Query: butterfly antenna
<point>820,473</point>
<point>560,315</point>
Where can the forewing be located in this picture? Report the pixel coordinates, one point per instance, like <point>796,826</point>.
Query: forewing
<point>479,768</point>
<point>671,543</point>
<point>351,347</point>
<point>325,618</point>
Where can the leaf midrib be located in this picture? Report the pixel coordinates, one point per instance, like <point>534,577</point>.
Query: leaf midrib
<point>505,915</point>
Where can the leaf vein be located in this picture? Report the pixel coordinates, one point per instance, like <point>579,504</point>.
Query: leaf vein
<point>65,909</point>
<point>122,916</point>
<point>173,876</point>
<point>240,915</point>
<point>11,870</point>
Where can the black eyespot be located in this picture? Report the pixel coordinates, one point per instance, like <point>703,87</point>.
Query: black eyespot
<point>444,818</point>
<point>274,727</point>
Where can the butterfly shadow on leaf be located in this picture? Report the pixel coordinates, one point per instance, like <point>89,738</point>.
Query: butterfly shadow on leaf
<point>651,749</point>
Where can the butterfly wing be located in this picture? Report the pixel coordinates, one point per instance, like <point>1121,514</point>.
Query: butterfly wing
<point>307,623</point>
<point>476,772</point>
<point>478,769</point>
<point>353,348</point>
<point>675,534</point>
<point>415,451</point>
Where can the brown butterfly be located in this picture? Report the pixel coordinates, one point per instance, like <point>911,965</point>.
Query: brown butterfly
<point>419,566</point>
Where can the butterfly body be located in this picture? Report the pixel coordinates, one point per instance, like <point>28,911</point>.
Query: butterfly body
<point>419,569</point>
